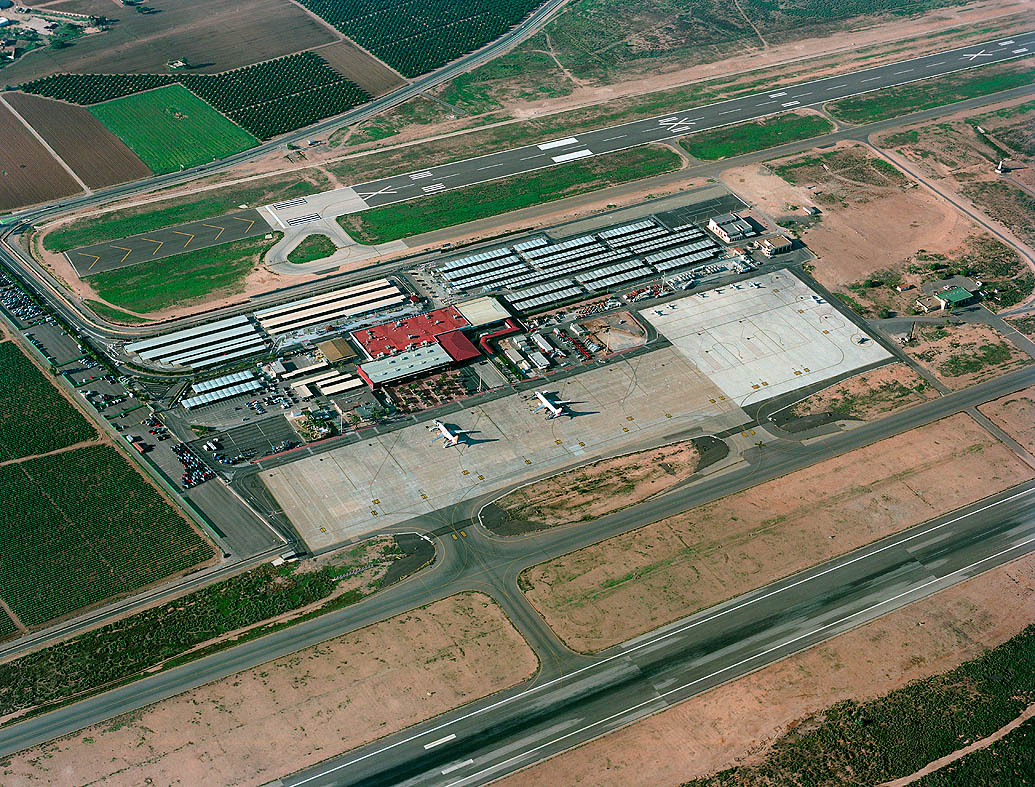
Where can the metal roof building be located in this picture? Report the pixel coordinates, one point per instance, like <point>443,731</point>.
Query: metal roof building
<point>403,365</point>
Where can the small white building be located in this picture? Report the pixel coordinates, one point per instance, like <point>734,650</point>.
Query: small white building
<point>731,227</point>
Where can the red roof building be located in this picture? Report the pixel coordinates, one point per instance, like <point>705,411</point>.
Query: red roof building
<point>421,330</point>
<point>458,346</point>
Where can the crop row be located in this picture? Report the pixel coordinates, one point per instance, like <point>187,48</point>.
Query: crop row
<point>83,526</point>
<point>34,417</point>
<point>417,36</point>
<point>249,95</point>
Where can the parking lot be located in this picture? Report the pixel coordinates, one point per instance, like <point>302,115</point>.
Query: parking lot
<point>248,441</point>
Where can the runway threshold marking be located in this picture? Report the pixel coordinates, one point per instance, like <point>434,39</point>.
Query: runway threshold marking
<point>95,259</point>
<point>187,234</point>
<point>123,248</point>
<point>215,227</point>
<point>251,222</point>
<point>159,242</point>
<point>440,741</point>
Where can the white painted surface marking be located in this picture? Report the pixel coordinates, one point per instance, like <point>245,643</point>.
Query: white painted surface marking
<point>440,741</point>
<point>419,175</point>
<point>557,143</point>
<point>836,87</point>
<point>572,156</point>
<point>433,187</point>
<point>791,104</point>
<point>457,767</point>
<point>777,95</point>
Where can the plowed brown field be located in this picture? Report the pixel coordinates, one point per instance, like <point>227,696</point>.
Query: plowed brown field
<point>97,156</point>
<point>28,173</point>
<point>364,69</point>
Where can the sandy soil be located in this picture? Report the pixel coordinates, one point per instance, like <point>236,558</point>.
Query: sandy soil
<point>257,725</point>
<point>734,724</point>
<point>870,395</point>
<point>617,331</point>
<point>603,487</point>
<point>854,236</point>
<point>951,351</point>
<point>1015,415</point>
<point>607,593</point>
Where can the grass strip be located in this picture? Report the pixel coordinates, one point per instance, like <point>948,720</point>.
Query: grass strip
<point>182,278</point>
<point>167,634</point>
<point>314,247</point>
<point>898,734</point>
<point>104,311</point>
<point>758,135</point>
<point>481,201</point>
<point>929,93</point>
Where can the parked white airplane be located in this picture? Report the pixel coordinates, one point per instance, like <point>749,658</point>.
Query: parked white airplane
<point>554,409</point>
<point>449,438</point>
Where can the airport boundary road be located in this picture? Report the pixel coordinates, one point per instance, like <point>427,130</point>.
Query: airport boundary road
<point>490,564</point>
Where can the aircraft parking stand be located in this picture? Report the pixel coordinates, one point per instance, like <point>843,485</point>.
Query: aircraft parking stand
<point>387,479</point>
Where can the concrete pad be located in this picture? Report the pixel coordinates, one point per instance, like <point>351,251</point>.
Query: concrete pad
<point>383,481</point>
<point>764,337</point>
<point>327,205</point>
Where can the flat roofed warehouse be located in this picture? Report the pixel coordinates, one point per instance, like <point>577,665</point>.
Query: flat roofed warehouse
<point>202,345</point>
<point>407,364</point>
<point>336,350</point>
<point>335,305</point>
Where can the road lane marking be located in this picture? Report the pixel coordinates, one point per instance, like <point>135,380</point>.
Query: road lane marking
<point>871,79</point>
<point>728,111</point>
<point>939,63</point>
<point>250,222</point>
<point>490,166</point>
<point>528,158</point>
<point>128,251</point>
<point>221,229</point>
<point>803,94</point>
<point>572,156</point>
<point>1020,51</point>
<point>187,234</point>
<point>728,667</point>
<point>904,71</point>
<point>765,103</point>
<point>611,139</point>
<point>1006,43</point>
<point>457,767</point>
<point>557,143</point>
<point>672,633</point>
<point>440,741</point>
<point>836,87</point>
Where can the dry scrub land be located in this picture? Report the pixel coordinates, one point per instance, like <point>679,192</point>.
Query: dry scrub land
<point>878,229</point>
<point>870,395</point>
<point>258,725</point>
<point>630,584</point>
<point>962,355</point>
<point>735,724</point>
<point>1015,415</point>
<point>596,490</point>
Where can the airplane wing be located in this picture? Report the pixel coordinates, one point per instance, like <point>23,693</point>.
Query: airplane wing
<point>539,408</point>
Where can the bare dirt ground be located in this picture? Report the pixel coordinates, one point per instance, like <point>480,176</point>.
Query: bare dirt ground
<point>94,153</point>
<point>28,173</point>
<point>1015,415</point>
<point>264,723</point>
<point>607,593</point>
<point>962,355</point>
<point>212,35</point>
<point>736,723</point>
<point>617,331</point>
<point>869,395</point>
<point>601,488</point>
<point>355,63</point>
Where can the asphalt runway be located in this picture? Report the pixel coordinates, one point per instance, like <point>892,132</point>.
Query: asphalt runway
<point>445,177</point>
<point>157,244</point>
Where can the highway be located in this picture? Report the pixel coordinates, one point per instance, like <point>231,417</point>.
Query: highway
<point>491,564</point>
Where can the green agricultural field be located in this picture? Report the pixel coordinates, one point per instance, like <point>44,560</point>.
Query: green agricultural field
<point>502,196</point>
<point>314,247</point>
<point>898,734</point>
<point>182,278</point>
<point>84,526</point>
<point>34,417</point>
<point>177,632</point>
<point>759,135</point>
<point>170,128</point>
<point>901,100</point>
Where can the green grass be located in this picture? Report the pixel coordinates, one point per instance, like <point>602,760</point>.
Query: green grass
<point>179,210</point>
<point>1009,762</point>
<point>84,526</point>
<point>182,278</point>
<point>123,650</point>
<point>104,311</point>
<point>986,355</point>
<point>895,735</point>
<point>34,417</point>
<point>758,135</point>
<point>901,100</point>
<point>502,196</point>
<point>314,247</point>
<point>170,128</point>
